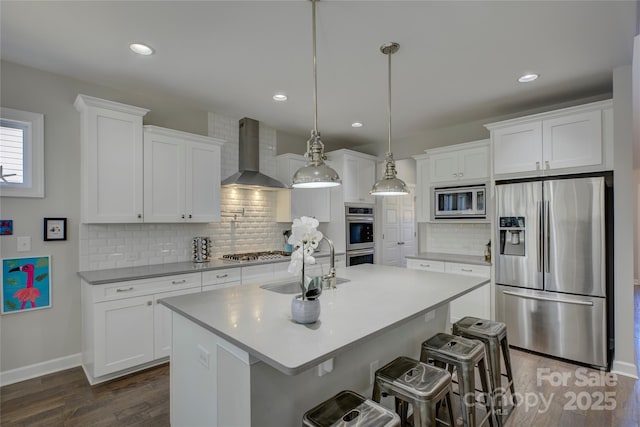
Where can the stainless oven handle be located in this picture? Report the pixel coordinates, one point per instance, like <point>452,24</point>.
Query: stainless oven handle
<point>351,218</point>
<point>360,252</point>
<point>562,301</point>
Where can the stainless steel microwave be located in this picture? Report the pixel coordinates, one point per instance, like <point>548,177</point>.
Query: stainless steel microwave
<point>460,202</point>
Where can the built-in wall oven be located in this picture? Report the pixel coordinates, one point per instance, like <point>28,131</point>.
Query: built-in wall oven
<point>360,236</point>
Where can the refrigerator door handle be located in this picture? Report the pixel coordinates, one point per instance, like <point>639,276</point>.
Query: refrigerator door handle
<point>562,301</point>
<point>547,237</point>
<point>538,234</point>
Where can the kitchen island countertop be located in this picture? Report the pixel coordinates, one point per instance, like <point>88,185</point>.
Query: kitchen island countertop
<point>439,256</point>
<point>375,299</point>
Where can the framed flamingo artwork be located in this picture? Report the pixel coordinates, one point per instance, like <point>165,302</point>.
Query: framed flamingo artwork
<point>26,284</point>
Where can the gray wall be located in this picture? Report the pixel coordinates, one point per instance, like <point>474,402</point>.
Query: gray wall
<point>625,358</point>
<point>42,335</point>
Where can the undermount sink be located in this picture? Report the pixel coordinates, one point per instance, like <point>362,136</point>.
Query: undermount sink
<point>292,287</point>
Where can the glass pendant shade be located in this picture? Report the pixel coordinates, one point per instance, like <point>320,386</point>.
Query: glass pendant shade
<point>390,184</point>
<point>316,174</point>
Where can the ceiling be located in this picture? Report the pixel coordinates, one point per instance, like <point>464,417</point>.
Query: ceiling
<point>458,61</point>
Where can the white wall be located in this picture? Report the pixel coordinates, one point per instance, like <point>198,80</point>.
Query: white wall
<point>625,358</point>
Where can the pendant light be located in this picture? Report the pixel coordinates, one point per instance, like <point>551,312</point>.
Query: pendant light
<point>316,173</point>
<point>389,185</point>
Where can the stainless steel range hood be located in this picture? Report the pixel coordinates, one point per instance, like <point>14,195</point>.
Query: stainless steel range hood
<point>249,164</point>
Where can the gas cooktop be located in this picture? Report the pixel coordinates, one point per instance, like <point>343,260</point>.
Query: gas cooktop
<point>257,256</point>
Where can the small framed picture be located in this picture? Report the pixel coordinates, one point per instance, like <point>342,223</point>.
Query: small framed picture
<point>55,229</point>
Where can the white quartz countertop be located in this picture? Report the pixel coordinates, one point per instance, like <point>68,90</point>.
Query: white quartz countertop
<point>439,256</point>
<point>111,275</point>
<point>375,299</point>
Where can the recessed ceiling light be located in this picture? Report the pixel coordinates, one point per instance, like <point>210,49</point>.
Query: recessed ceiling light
<point>356,125</point>
<point>526,78</point>
<point>141,49</point>
<point>280,97</point>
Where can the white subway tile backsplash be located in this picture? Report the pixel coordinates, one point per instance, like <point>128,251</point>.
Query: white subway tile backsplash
<point>455,238</point>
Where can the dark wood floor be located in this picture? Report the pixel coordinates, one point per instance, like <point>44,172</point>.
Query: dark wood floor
<point>66,399</point>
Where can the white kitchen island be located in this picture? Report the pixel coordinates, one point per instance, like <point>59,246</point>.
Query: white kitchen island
<point>239,360</point>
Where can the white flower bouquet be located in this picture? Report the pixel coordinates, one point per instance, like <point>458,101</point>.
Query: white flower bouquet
<point>304,239</point>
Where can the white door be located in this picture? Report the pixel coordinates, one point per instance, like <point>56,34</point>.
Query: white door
<point>391,251</point>
<point>398,229</point>
<point>164,176</point>
<point>113,160</point>
<point>202,182</point>
<point>366,179</point>
<point>517,148</point>
<point>473,163</point>
<point>573,141</point>
<point>350,179</point>
<point>443,167</point>
<point>124,334</point>
<point>407,226</point>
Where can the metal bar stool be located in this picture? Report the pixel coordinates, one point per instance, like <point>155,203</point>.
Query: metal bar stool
<point>348,408</point>
<point>463,355</point>
<point>494,336</point>
<point>416,383</point>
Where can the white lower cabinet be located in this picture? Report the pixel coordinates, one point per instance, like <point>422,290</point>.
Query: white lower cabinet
<point>124,327</point>
<point>123,334</point>
<point>476,303</point>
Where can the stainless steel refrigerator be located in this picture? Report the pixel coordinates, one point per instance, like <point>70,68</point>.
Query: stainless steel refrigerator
<point>552,281</point>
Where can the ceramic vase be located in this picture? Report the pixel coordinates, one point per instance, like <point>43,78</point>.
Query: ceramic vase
<point>305,311</point>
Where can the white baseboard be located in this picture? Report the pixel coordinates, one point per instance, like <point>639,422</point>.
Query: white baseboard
<point>39,369</point>
<point>624,368</point>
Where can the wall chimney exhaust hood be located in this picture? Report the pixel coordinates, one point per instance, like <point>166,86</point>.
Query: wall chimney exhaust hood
<point>249,174</point>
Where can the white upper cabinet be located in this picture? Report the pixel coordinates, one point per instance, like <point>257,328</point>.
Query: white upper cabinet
<point>453,165</point>
<point>295,203</point>
<point>111,168</point>
<point>459,162</point>
<point>358,174</point>
<point>181,176</point>
<point>577,137</point>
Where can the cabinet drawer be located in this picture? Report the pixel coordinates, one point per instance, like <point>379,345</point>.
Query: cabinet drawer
<point>426,264</point>
<point>216,277</point>
<point>468,269</point>
<point>131,288</point>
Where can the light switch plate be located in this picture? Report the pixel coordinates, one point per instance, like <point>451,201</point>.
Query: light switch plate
<point>203,356</point>
<point>24,243</point>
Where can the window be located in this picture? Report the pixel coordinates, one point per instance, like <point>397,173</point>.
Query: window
<point>21,153</point>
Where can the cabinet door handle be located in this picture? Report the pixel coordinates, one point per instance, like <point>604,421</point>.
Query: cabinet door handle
<point>537,166</point>
<point>468,270</point>
<point>460,174</point>
<point>182,216</point>
<point>221,276</point>
<point>139,215</point>
<point>455,174</point>
<point>425,265</point>
<point>178,282</point>
<point>124,290</point>
<point>546,164</point>
<point>149,302</point>
<point>190,216</point>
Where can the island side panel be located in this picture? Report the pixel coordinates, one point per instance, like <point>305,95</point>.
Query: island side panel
<point>281,400</point>
<point>210,378</point>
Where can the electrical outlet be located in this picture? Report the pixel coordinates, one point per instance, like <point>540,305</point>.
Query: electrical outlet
<point>373,367</point>
<point>203,356</point>
<point>429,316</point>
